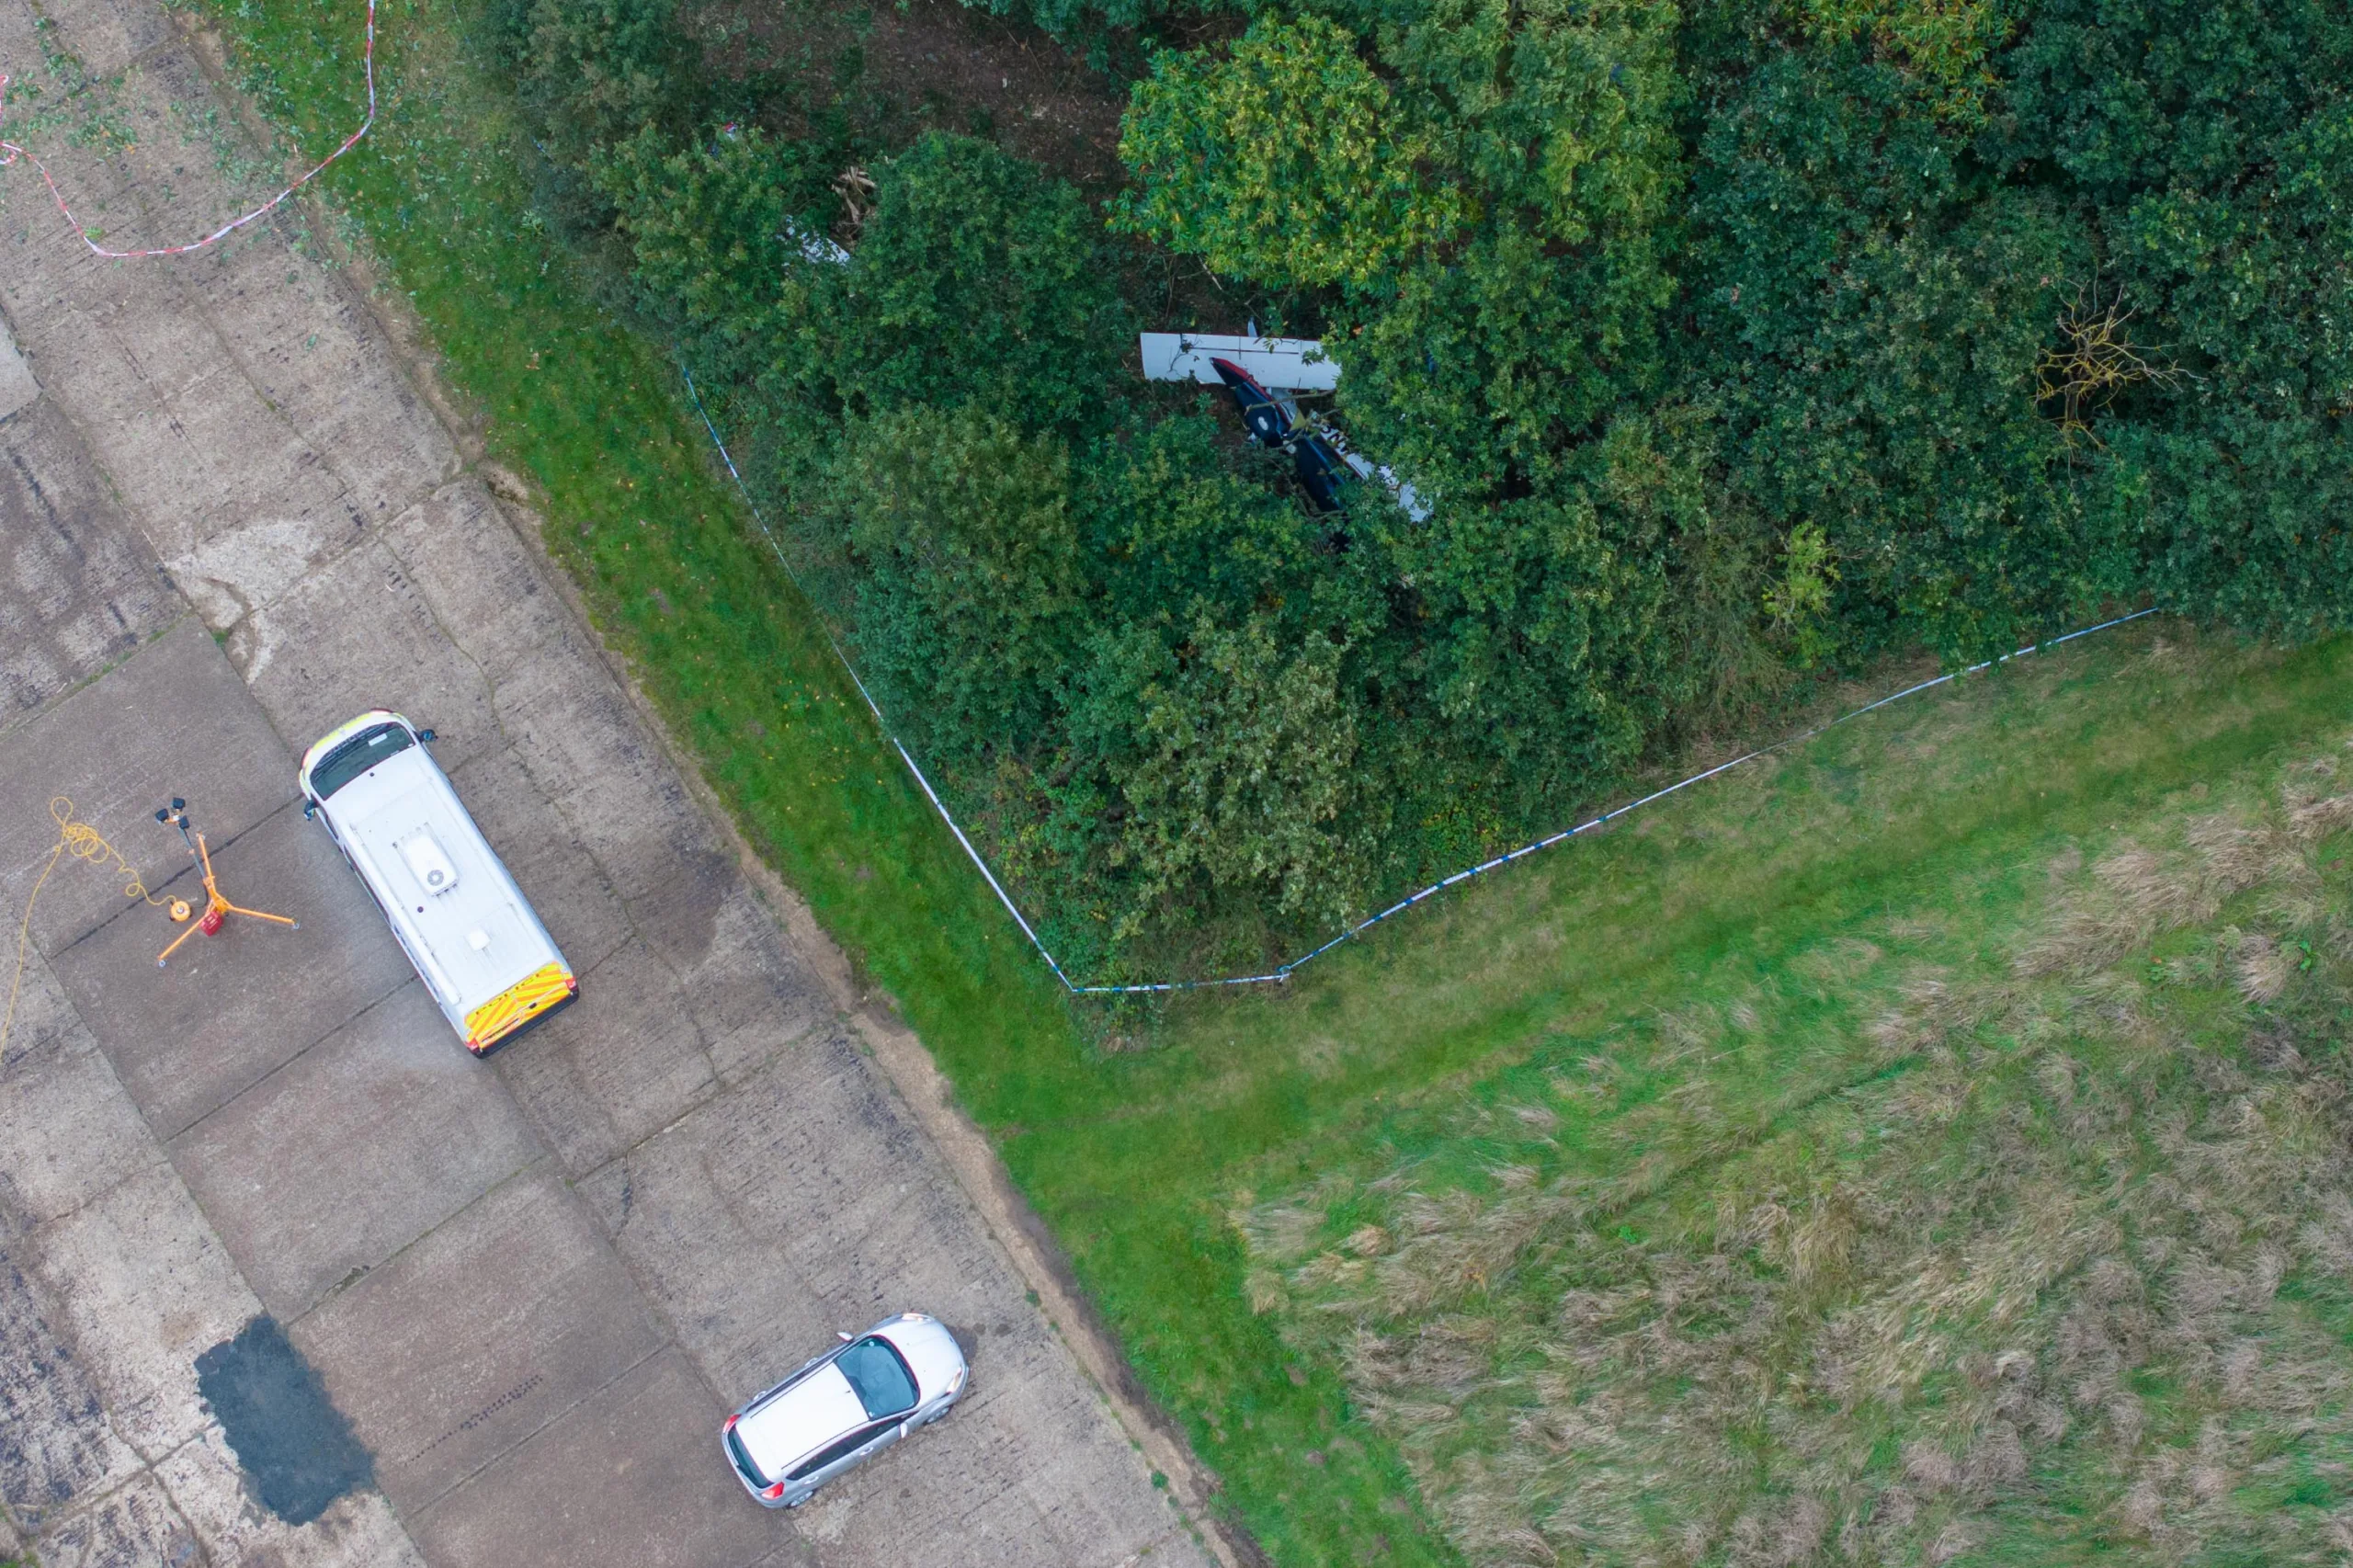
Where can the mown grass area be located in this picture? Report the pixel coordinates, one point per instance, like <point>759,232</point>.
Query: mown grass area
<point>1969,1184</point>
<point>1152,1166</point>
<point>1302,1121</point>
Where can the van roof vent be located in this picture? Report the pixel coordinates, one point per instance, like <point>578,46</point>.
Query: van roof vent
<point>428,861</point>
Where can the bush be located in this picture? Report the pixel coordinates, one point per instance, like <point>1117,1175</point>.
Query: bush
<point>1723,341</point>
<point>969,583</point>
<point>708,230</point>
<point>595,73</point>
<point>1286,162</point>
<point>1231,754</point>
<point>977,279</point>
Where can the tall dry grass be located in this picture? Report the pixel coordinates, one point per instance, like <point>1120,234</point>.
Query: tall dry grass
<point>2066,1274</point>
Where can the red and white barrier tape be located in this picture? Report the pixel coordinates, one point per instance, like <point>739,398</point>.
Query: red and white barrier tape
<point>10,151</point>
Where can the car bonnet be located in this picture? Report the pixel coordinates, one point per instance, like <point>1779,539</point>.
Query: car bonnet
<point>931,1350</point>
<point>804,1418</point>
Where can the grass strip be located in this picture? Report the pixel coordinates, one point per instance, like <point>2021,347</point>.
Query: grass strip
<point>737,663</point>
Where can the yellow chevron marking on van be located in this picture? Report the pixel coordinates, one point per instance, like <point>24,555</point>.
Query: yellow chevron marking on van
<point>516,1006</point>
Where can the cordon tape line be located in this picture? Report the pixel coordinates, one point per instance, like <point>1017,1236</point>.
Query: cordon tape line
<point>1609,817</point>
<point>10,151</point>
<point>1282,973</point>
<point>871,706</point>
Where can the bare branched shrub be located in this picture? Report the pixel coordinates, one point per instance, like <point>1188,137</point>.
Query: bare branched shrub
<point>2096,361</point>
<point>855,187</point>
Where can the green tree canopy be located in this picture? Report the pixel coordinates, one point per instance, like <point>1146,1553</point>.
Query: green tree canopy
<point>970,574</point>
<point>1723,338</point>
<point>1286,161</point>
<point>1231,755</point>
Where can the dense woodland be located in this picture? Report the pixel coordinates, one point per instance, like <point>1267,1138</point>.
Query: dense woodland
<point>1734,342</point>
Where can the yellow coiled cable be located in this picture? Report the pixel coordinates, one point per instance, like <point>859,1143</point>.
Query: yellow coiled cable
<point>82,842</point>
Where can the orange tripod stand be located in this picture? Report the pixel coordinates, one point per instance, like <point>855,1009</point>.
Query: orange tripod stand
<point>216,909</point>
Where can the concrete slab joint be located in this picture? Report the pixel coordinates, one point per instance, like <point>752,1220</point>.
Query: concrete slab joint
<point>18,388</point>
<point>528,1290</point>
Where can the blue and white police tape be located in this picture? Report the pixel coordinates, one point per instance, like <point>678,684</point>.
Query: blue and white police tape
<point>1284,971</point>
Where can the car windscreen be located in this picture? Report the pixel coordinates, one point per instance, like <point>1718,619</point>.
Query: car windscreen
<point>881,1377</point>
<point>356,755</point>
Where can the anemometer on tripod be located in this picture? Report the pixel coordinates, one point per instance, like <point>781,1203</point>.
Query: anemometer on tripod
<point>217,908</point>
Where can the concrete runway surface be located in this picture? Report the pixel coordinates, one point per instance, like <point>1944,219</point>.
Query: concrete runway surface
<point>530,1287</point>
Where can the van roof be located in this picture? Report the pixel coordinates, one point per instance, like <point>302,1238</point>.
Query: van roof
<point>406,831</point>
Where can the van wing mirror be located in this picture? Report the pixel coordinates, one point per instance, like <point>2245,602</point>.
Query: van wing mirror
<point>843,1336</point>
<point>426,735</point>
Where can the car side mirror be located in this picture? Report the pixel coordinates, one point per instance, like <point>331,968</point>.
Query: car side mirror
<point>310,811</point>
<point>426,735</point>
<point>843,1336</point>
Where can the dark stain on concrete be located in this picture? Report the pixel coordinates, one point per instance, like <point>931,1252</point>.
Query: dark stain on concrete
<point>296,1449</point>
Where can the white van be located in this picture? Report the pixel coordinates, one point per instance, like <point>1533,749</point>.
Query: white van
<point>457,913</point>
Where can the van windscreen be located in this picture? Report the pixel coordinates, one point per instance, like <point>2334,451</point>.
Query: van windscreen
<point>356,755</point>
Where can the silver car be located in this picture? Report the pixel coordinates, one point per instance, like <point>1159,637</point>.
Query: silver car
<point>843,1407</point>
